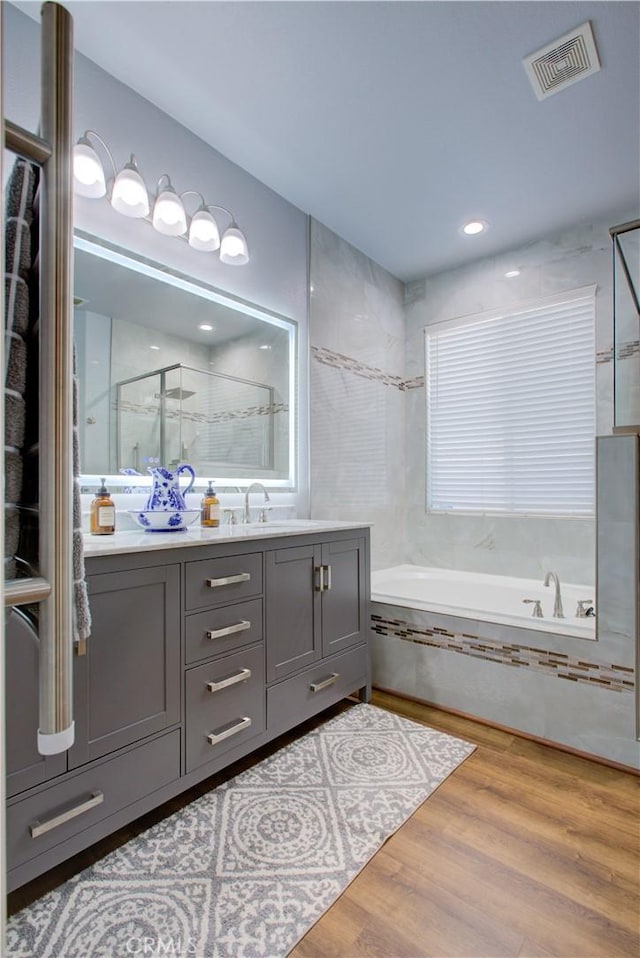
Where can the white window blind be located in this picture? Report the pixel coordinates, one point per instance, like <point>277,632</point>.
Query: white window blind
<point>511,410</point>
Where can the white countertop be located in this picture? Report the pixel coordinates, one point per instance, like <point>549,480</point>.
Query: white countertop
<point>141,541</point>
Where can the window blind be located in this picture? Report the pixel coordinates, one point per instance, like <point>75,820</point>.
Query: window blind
<point>511,410</point>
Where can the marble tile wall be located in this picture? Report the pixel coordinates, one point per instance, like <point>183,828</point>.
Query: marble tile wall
<point>525,547</point>
<point>356,330</point>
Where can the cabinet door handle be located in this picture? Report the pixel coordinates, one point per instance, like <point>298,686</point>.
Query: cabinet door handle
<point>319,571</point>
<point>240,676</point>
<point>228,580</point>
<point>40,828</point>
<point>325,683</point>
<point>214,737</point>
<point>327,584</point>
<point>241,626</point>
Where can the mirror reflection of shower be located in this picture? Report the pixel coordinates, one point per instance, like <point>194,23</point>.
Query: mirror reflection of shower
<point>180,413</point>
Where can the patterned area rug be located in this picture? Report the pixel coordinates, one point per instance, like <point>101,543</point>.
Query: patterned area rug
<point>248,868</point>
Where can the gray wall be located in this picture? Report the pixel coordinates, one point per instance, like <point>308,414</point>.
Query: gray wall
<point>507,545</point>
<point>275,277</point>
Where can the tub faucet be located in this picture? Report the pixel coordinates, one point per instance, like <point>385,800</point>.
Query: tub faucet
<point>557,604</point>
<point>254,486</point>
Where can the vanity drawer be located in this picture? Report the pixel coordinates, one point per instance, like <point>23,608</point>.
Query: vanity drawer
<point>214,581</point>
<point>325,683</point>
<point>225,705</point>
<point>40,822</point>
<point>223,630</point>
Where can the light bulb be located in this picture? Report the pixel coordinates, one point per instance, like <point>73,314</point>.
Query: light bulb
<point>129,194</point>
<point>87,171</point>
<point>203,232</point>
<point>169,216</point>
<point>233,248</point>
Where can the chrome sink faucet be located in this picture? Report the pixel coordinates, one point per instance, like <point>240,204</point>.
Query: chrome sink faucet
<point>255,486</point>
<point>557,605</point>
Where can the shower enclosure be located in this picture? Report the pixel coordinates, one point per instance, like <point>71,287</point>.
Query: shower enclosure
<point>626,325</point>
<point>179,413</point>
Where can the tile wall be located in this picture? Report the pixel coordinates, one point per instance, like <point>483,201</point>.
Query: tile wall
<point>503,545</point>
<point>356,333</point>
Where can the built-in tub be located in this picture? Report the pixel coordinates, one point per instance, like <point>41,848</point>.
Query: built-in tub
<point>488,598</point>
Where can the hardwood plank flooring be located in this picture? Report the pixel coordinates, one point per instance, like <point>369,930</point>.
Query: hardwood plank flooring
<point>524,852</point>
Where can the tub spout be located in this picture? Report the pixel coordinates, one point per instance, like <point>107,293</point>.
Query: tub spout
<point>557,604</point>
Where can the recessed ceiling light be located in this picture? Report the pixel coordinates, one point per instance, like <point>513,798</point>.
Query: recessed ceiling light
<point>473,227</point>
<point>154,347</point>
<point>205,327</point>
<point>511,273</point>
<point>265,346</point>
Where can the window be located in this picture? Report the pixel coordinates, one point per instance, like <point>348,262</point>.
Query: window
<point>511,409</point>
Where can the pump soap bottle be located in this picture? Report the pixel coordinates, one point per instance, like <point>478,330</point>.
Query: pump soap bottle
<point>210,508</point>
<point>103,513</point>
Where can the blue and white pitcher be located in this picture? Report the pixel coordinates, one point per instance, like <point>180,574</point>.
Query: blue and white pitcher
<point>166,495</point>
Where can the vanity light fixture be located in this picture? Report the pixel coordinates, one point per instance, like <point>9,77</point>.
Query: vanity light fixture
<point>127,193</point>
<point>233,246</point>
<point>169,216</point>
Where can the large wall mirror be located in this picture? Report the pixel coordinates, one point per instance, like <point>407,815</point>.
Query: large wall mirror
<point>171,370</point>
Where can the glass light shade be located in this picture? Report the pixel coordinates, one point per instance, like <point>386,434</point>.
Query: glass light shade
<point>169,216</point>
<point>88,174</point>
<point>233,247</point>
<point>129,194</point>
<point>203,232</point>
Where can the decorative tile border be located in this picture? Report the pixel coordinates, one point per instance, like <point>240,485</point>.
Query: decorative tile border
<point>224,415</point>
<point>340,361</point>
<point>616,678</point>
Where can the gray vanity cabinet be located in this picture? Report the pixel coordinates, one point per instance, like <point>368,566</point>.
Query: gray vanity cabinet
<point>197,656</point>
<point>127,685</point>
<point>294,623</point>
<point>316,603</point>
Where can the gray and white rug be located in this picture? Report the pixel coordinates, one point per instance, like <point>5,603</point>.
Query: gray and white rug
<point>248,868</point>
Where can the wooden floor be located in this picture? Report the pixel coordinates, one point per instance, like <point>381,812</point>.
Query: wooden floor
<point>523,851</point>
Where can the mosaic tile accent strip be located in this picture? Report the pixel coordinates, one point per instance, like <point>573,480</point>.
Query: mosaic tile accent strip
<point>604,356</point>
<point>616,678</point>
<point>340,361</point>
<point>627,350</point>
<point>224,415</point>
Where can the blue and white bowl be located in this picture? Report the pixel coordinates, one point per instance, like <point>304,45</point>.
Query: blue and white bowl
<point>161,520</point>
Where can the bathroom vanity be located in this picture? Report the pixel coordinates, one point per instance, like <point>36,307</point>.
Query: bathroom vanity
<point>205,645</point>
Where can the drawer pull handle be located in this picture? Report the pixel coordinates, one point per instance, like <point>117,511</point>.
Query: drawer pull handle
<point>228,580</point>
<point>240,676</point>
<point>213,738</point>
<point>229,629</point>
<point>318,686</point>
<point>319,571</point>
<point>40,828</point>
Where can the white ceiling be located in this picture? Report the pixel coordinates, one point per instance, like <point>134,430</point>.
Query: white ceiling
<point>393,122</point>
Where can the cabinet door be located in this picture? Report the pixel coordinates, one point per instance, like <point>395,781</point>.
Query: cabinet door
<point>128,683</point>
<point>25,766</point>
<point>344,596</point>
<point>294,638</point>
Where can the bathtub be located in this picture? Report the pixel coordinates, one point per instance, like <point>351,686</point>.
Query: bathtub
<point>488,598</point>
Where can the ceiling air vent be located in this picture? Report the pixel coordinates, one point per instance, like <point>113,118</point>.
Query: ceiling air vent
<point>563,62</point>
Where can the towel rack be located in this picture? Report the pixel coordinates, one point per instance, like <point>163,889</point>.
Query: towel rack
<point>53,588</point>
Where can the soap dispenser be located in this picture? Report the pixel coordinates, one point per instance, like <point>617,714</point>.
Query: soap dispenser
<point>103,513</point>
<point>210,508</point>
